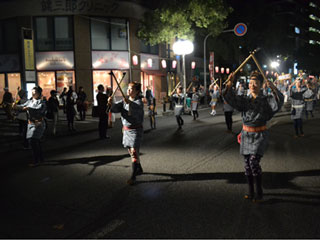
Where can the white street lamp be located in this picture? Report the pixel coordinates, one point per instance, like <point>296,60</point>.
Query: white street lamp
<point>183,47</point>
<point>274,64</point>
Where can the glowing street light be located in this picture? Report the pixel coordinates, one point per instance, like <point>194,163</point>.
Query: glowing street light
<point>183,47</point>
<point>274,64</point>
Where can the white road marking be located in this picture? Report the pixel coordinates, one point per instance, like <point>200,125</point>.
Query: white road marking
<point>110,227</point>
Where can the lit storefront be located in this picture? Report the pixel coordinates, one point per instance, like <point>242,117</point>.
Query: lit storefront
<point>105,61</point>
<point>10,76</point>
<point>55,71</point>
<point>151,74</point>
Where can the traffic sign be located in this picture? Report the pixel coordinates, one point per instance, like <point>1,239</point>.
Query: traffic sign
<point>240,29</point>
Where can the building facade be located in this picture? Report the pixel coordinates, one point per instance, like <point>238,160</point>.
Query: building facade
<point>61,43</point>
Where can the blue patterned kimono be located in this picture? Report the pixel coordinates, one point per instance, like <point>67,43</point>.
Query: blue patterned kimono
<point>255,113</point>
<point>132,116</point>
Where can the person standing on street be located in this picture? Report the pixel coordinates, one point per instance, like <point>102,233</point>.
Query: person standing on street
<point>228,111</point>
<point>82,104</point>
<point>151,103</point>
<point>195,101</point>
<point>297,106</point>
<point>308,98</point>
<point>102,100</point>
<point>7,101</point>
<point>53,108</point>
<point>256,109</point>
<point>215,94</point>
<point>22,118</point>
<point>178,99</point>
<point>70,108</point>
<point>36,110</point>
<point>132,115</point>
<point>63,97</point>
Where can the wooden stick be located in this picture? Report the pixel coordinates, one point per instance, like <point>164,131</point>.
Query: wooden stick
<point>189,87</point>
<point>174,89</point>
<point>259,67</point>
<point>242,64</point>
<point>119,87</point>
<point>114,92</point>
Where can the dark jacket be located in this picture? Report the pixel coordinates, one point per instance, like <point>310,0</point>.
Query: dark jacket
<point>102,100</point>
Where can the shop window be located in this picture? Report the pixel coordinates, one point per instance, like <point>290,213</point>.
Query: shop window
<point>63,33</point>
<point>44,35</point>
<point>14,81</point>
<point>53,33</point>
<point>104,78</point>
<point>147,81</point>
<point>2,85</point>
<point>100,34</point>
<point>9,36</point>
<point>65,79</point>
<point>109,34</point>
<point>47,81</point>
<point>147,48</point>
<point>119,34</point>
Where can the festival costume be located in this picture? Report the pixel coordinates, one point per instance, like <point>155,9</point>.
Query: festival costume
<point>297,109</point>
<point>308,97</point>
<point>132,115</point>
<point>178,100</point>
<point>254,135</point>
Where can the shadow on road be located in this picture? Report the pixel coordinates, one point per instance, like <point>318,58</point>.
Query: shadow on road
<point>271,180</point>
<point>96,161</point>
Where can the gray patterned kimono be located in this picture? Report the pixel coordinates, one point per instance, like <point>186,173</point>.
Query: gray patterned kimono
<point>308,97</point>
<point>36,112</point>
<point>132,116</point>
<point>297,103</point>
<point>179,101</point>
<point>214,97</point>
<point>255,113</point>
<point>195,101</point>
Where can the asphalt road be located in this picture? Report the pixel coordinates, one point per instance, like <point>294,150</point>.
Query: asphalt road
<point>193,185</point>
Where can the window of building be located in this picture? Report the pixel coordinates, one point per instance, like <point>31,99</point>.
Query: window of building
<point>100,37</point>
<point>119,40</point>
<point>9,36</point>
<point>109,34</point>
<point>53,33</point>
<point>147,48</point>
<point>63,33</point>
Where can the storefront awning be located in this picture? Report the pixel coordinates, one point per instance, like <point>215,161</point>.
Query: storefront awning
<point>154,72</point>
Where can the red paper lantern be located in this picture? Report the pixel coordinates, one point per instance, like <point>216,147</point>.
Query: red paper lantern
<point>217,69</point>
<point>149,63</point>
<point>222,70</point>
<point>164,63</point>
<point>227,70</point>
<point>135,60</point>
<point>193,65</point>
<point>174,64</point>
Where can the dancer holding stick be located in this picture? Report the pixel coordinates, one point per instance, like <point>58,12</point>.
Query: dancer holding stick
<point>256,110</point>
<point>132,114</point>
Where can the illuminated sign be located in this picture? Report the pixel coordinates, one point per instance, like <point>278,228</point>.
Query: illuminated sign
<point>54,60</point>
